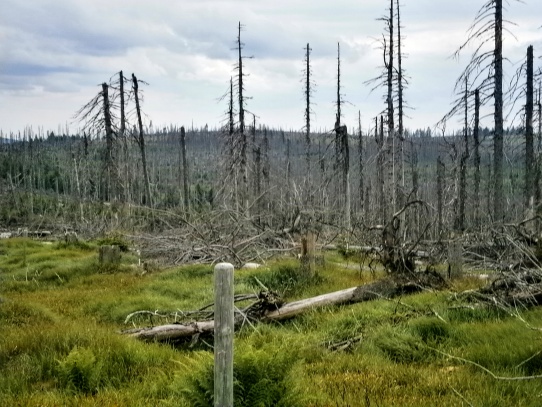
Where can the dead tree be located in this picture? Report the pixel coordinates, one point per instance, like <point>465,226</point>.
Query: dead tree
<point>241,125</point>
<point>476,158</point>
<point>140,139</point>
<point>342,150</point>
<point>308,91</point>
<point>529,131</point>
<point>487,29</point>
<point>184,158</point>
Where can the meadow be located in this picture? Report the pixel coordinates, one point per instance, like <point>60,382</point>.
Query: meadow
<point>62,315</point>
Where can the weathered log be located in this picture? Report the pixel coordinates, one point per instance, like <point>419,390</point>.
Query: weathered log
<point>385,288</point>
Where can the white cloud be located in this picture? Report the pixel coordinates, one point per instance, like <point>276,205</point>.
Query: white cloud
<point>54,53</point>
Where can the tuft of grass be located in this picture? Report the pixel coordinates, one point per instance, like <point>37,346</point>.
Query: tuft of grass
<point>286,278</point>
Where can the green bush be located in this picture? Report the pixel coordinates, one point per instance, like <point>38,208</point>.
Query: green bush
<point>261,379</point>
<point>79,371</point>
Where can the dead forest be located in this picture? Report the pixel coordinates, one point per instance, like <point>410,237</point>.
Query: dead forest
<point>246,191</point>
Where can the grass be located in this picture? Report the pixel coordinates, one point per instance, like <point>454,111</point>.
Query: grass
<point>60,345</point>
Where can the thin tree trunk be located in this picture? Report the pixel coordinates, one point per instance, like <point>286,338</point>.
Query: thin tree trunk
<point>141,142</point>
<point>308,91</point>
<point>186,191</point>
<point>498,153</point>
<point>529,132</point>
<point>476,137</point>
<point>109,158</point>
<point>440,196</point>
<point>361,186</point>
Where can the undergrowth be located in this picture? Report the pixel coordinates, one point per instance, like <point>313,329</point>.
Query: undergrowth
<point>60,343</point>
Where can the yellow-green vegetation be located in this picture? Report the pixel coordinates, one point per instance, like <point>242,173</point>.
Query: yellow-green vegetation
<point>60,345</point>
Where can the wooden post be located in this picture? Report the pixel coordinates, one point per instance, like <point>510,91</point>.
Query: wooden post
<point>224,329</point>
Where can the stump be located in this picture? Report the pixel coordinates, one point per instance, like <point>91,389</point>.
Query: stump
<point>109,255</point>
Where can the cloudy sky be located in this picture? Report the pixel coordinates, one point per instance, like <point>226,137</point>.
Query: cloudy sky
<point>55,53</point>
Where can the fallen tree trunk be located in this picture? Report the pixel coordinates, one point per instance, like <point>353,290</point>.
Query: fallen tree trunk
<point>386,288</point>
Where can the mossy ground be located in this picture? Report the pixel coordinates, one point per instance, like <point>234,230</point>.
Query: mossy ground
<point>61,315</point>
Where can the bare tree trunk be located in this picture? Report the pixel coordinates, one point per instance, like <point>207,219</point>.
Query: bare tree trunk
<point>109,155</point>
<point>460,220</point>
<point>308,93</point>
<point>186,191</point>
<point>382,204</point>
<point>242,134</point>
<point>141,142</point>
<point>538,192</point>
<point>476,137</point>
<point>390,70</point>
<point>498,146</point>
<point>361,186</point>
<point>440,197</point>
<point>529,133</point>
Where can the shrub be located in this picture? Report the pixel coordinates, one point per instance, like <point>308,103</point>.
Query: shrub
<point>260,379</point>
<point>79,371</point>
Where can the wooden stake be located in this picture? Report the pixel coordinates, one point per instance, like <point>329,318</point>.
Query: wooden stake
<point>224,329</point>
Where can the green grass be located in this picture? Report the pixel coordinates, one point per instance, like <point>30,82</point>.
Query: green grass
<point>61,315</point>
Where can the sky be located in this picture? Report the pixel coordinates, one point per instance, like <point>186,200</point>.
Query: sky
<point>54,54</point>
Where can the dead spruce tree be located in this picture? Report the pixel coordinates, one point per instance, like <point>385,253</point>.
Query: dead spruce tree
<point>486,69</point>
<point>243,144</point>
<point>342,150</point>
<point>139,136</point>
<point>97,117</point>
<point>308,92</point>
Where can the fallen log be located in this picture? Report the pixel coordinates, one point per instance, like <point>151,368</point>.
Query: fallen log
<point>389,287</point>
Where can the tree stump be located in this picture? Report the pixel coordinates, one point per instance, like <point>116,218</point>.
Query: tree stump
<point>109,255</point>
<point>455,259</point>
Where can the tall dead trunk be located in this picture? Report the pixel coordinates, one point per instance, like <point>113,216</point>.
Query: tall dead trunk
<point>390,71</point>
<point>381,156</point>
<point>460,219</point>
<point>122,135</point>
<point>529,185</point>
<point>498,146</point>
<point>141,142</point>
<point>361,175</point>
<point>308,93</point>
<point>242,134</point>
<point>109,154</point>
<point>440,197</point>
<point>184,158</point>
<point>476,163</point>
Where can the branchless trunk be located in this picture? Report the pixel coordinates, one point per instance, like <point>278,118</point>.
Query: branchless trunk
<point>308,91</point>
<point>141,141</point>
<point>498,153</point>
<point>186,193</point>
<point>476,137</point>
<point>109,155</point>
<point>529,132</point>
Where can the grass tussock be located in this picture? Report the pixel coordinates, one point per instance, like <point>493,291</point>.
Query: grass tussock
<point>60,344</point>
